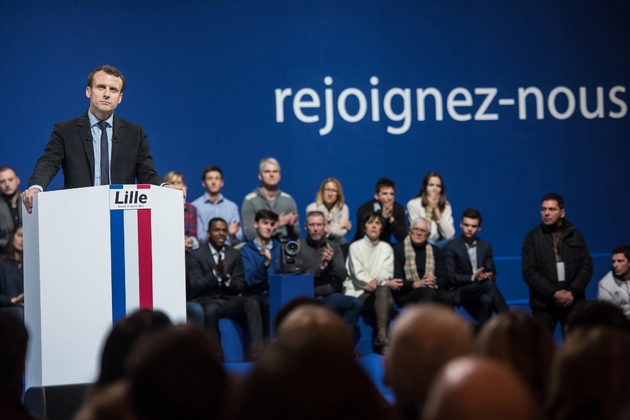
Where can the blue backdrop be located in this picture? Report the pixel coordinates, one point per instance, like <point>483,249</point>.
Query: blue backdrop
<point>508,100</point>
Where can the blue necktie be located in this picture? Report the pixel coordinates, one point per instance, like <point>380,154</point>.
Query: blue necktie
<point>104,153</point>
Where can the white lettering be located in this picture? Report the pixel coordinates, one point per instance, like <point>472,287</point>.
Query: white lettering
<point>522,106</point>
<point>341,105</point>
<point>599,110</point>
<point>404,116</point>
<point>374,96</point>
<point>298,104</point>
<point>490,93</point>
<point>328,94</point>
<point>280,95</point>
<point>451,103</point>
<point>623,108</point>
<point>421,94</point>
<point>460,104</point>
<point>551,103</point>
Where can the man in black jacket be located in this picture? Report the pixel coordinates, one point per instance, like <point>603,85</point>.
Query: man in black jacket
<point>556,264</point>
<point>384,203</point>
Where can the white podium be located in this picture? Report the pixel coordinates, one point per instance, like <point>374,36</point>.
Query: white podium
<point>92,255</point>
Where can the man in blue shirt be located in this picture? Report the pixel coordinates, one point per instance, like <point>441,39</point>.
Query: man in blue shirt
<point>212,204</point>
<point>261,258</point>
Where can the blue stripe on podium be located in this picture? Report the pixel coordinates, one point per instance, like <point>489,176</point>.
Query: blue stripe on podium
<point>117,240</point>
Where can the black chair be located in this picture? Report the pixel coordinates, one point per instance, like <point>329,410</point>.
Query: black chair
<point>59,402</point>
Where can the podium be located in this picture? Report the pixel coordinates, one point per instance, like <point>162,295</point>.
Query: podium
<point>91,256</point>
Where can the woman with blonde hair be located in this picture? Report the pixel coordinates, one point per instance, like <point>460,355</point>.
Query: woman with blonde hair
<point>330,202</point>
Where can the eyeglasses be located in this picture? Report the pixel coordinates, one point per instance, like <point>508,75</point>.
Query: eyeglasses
<point>418,231</point>
<point>331,190</point>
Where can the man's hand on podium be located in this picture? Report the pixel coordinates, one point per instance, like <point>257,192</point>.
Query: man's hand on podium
<point>27,198</point>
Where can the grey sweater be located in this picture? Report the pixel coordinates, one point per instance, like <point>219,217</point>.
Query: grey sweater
<point>283,203</point>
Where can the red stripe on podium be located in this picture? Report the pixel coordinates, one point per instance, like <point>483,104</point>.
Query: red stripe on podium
<point>145,258</point>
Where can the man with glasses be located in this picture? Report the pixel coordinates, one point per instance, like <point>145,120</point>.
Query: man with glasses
<point>421,268</point>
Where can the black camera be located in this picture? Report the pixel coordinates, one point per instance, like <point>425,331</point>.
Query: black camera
<point>290,249</point>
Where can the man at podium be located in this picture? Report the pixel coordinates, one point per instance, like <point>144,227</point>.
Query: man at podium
<point>96,148</point>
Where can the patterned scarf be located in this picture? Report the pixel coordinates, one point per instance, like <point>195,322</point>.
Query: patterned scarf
<point>411,270</point>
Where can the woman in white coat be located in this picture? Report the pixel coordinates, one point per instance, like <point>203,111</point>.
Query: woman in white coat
<point>370,266</point>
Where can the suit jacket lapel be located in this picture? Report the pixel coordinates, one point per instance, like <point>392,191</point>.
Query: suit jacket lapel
<point>85,135</point>
<point>462,246</point>
<point>208,256</point>
<point>119,131</point>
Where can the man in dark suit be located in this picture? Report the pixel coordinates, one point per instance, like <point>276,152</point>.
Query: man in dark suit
<point>96,148</point>
<point>215,277</point>
<point>470,270</point>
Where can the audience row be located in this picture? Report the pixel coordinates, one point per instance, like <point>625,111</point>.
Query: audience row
<point>436,366</point>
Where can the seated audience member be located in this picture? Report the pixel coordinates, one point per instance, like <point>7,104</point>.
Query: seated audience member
<point>330,202</point>
<point>386,206</point>
<point>522,342</point>
<point>470,270</point>
<point>615,286</point>
<point>324,259</point>
<point>290,306</point>
<point>424,338</point>
<point>123,336</point>
<point>313,322</point>
<point>190,213</point>
<point>214,273</point>
<point>261,258</point>
<point>431,204</point>
<point>476,388</point>
<point>175,375</point>
<point>596,313</point>
<point>213,204</point>
<point>421,267</point>
<point>12,276</point>
<point>310,373</point>
<point>370,266</point>
<point>13,341</point>
<point>10,207</point>
<point>269,197</point>
<point>590,376</point>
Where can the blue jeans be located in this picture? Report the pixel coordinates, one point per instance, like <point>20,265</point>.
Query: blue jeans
<point>347,306</point>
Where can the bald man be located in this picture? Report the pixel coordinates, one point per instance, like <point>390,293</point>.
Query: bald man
<point>424,338</point>
<point>477,388</point>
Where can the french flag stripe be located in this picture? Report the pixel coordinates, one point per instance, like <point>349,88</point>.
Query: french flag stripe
<point>131,261</point>
<point>145,256</point>
<point>117,235</point>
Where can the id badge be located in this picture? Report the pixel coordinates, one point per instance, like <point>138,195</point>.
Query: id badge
<point>560,269</point>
